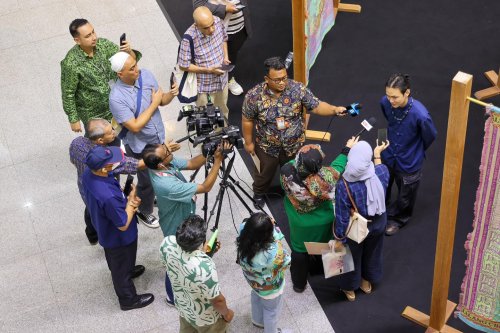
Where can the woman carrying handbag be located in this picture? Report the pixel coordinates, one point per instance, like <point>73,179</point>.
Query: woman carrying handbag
<point>363,191</point>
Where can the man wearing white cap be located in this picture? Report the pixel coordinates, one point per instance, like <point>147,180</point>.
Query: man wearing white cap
<point>134,101</point>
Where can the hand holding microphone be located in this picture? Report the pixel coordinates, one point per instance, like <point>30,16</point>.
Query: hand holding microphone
<point>367,125</point>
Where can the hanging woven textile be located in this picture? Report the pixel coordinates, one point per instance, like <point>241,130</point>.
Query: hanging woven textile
<point>480,297</point>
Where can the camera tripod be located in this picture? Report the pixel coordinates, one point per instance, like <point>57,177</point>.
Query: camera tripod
<point>227,182</point>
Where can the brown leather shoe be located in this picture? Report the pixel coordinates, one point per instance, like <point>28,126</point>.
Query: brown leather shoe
<point>366,286</point>
<point>351,296</point>
<point>391,229</point>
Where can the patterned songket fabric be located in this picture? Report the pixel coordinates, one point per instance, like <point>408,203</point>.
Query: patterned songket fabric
<point>480,298</point>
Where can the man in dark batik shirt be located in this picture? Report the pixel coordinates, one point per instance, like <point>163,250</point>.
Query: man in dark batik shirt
<point>276,106</point>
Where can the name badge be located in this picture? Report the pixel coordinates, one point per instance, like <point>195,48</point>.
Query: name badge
<point>280,123</point>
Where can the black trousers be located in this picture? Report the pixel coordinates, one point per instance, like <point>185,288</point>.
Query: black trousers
<point>400,210</point>
<point>234,44</point>
<point>121,261</point>
<point>144,187</point>
<point>89,229</point>
<point>302,264</point>
<point>268,165</point>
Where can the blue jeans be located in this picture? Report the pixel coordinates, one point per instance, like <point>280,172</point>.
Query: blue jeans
<point>266,311</point>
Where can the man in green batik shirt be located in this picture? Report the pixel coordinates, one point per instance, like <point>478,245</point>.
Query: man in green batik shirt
<point>86,75</point>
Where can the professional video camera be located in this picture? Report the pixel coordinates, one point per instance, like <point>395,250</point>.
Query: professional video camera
<point>211,141</point>
<point>203,119</point>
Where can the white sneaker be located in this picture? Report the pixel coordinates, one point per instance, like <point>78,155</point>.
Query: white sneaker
<point>234,87</point>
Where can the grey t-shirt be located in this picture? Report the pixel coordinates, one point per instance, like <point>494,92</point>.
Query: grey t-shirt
<point>123,103</point>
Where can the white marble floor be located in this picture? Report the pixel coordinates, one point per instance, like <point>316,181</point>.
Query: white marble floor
<point>51,279</point>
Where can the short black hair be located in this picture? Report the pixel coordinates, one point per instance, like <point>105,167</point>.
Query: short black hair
<point>275,63</point>
<point>75,24</point>
<point>149,156</point>
<point>191,233</point>
<point>399,81</point>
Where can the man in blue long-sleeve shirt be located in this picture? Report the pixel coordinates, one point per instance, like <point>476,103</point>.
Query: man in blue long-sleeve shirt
<point>410,132</point>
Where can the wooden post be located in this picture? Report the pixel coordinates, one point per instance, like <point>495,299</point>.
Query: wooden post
<point>299,40</point>
<point>441,308</point>
<point>494,78</point>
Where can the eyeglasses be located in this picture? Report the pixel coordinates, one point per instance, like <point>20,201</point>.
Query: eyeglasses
<point>279,80</point>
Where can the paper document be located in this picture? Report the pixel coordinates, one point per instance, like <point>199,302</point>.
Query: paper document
<point>317,248</point>
<point>256,161</point>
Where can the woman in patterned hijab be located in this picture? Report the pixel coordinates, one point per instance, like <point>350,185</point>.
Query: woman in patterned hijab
<point>310,191</point>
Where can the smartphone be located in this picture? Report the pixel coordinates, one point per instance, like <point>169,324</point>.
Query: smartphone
<point>382,135</point>
<point>123,38</point>
<point>128,185</point>
<point>226,68</point>
<point>172,79</point>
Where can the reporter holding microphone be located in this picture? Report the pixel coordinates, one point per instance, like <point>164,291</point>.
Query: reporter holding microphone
<point>275,108</point>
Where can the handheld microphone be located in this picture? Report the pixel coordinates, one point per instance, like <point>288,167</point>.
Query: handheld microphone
<point>354,109</point>
<point>367,125</point>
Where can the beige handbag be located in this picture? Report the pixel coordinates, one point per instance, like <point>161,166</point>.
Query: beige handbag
<point>358,225</point>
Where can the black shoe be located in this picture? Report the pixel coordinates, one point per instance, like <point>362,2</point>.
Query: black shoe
<point>93,241</point>
<point>137,271</point>
<point>259,201</point>
<point>299,290</point>
<point>142,301</point>
<point>391,229</point>
<point>149,220</point>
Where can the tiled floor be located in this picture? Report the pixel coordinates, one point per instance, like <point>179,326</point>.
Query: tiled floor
<point>51,279</point>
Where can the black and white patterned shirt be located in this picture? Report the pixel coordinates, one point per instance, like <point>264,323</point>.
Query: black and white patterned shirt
<point>236,21</point>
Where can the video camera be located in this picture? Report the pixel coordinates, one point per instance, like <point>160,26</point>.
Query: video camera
<point>203,119</point>
<point>211,141</point>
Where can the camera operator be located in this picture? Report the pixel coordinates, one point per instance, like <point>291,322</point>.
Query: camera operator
<point>176,197</point>
<point>276,106</point>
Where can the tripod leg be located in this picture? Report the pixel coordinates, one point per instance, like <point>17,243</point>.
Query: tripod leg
<point>231,186</point>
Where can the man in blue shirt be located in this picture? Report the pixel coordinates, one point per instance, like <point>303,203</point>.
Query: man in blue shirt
<point>146,127</point>
<point>98,131</point>
<point>176,197</point>
<point>410,132</point>
<point>113,217</point>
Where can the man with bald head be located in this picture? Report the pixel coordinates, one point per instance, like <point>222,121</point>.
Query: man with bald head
<point>97,132</point>
<point>134,102</point>
<point>203,51</point>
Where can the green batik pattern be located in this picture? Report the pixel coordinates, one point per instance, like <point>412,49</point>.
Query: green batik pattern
<point>85,82</point>
<point>194,281</point>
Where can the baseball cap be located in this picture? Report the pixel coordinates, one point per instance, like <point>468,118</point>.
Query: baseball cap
<point>100,156</point>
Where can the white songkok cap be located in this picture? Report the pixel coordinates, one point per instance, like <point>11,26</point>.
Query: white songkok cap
<point>118,60</point>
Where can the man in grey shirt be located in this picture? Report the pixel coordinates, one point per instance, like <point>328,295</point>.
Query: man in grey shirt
<point>140,119</point>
